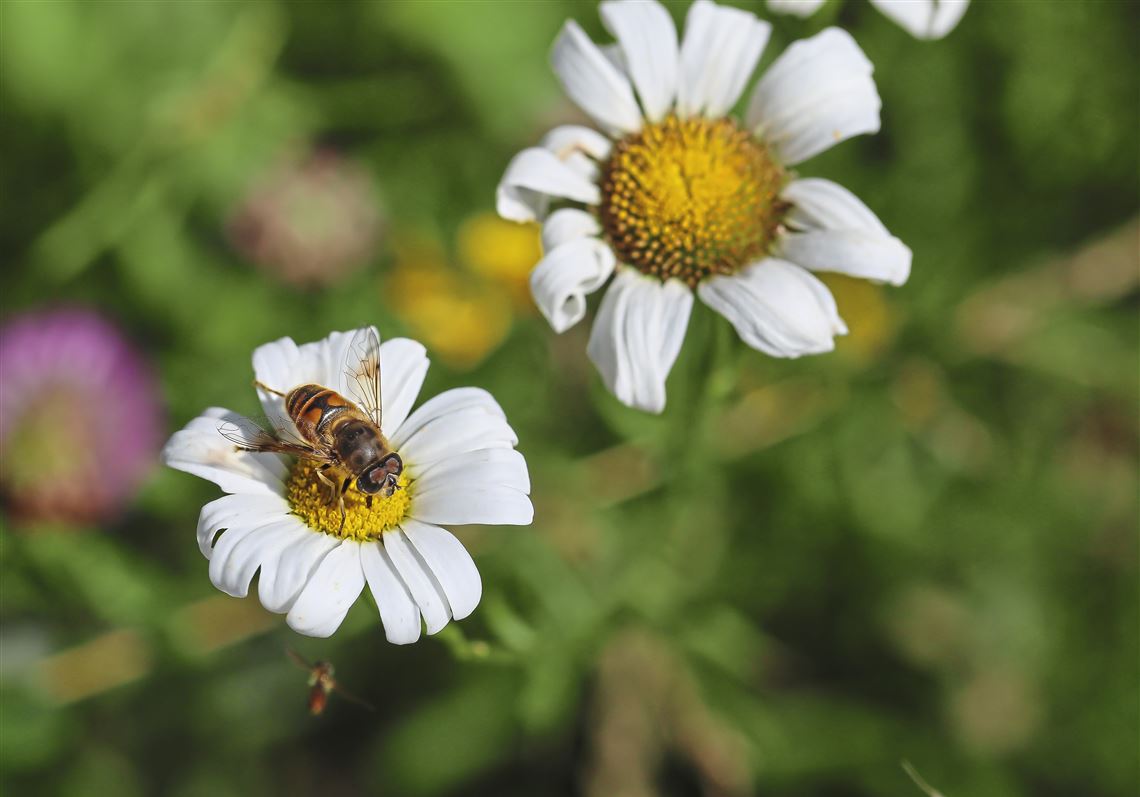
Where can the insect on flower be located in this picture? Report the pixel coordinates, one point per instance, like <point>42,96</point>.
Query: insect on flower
<point>335,432</point>
<point>397,479</point>
<point>322,683</point>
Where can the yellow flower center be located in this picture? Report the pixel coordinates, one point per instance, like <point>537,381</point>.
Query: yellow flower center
<point>691,198</point>
<point>364,519</point>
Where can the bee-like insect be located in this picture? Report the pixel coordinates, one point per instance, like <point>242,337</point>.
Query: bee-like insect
<point>334,430</point>
<point>322,683</point>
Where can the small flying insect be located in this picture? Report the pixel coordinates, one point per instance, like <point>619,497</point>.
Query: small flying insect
<point>322,683</point>
<point>334,431</point>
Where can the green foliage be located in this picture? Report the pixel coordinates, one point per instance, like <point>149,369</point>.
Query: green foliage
<point>920,547</point>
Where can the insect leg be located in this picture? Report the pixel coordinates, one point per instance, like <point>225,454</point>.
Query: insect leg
<point>268,389</point>
<point>325,480</point>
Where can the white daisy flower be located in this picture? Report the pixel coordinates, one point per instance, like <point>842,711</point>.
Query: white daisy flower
<point>923,19</point>
<point>677,196</point>
<point>459,467</point>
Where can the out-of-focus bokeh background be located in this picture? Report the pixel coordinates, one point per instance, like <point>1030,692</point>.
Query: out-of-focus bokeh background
<point>921,547</point>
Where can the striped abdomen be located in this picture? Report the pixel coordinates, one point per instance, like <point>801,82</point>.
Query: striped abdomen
<point>327,419</point>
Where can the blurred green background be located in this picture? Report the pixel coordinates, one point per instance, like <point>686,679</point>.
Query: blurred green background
<point>921,547</point>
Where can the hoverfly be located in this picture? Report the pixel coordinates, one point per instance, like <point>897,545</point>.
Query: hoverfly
<point>322,683</point>
<point>334,431</point>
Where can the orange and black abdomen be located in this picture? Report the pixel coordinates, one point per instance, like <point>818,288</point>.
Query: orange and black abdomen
<point>314,408</point>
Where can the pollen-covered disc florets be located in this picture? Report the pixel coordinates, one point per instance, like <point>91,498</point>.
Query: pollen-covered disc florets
<point>688,198</point>
<point>364,519</point>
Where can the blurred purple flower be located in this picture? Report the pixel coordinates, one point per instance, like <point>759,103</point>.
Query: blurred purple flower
<point>81,420</point>
<point>310,222</point>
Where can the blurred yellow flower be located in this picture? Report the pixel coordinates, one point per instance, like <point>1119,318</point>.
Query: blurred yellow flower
<point>871,324</point>
<point>501,251</point>
<point>458,317</point>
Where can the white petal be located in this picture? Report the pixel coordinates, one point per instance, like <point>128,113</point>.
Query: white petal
<point>425,590</point>
<point>580,148</point>
<point>535,175</point>
<point>404,364</point>
<point>832,230</point>
<point>199,448</point>
<point>234,510</point>
<point>283,365</point>
<point>443,404</point>
<point>924,19</point>
<point>566,275</point>
<point>637,336</point>
<point>468,429</point>
<point>398,612</point>
<point>648,40</point>
<point>500,466</point>
<point>333,588</point>
<point>568,224</point>
<point>285,574</point>
<point>450,563</point>
<point>719,53</point>
<point>817,93</point>
<point>229,572</point>
<point>238,556</point>
<point>593,82</point>
<point>776,307</point>
<point>799,8</point>
<point>459,503</point>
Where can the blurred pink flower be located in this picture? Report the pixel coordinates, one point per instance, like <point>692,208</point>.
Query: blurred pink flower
<point>312,221</point>
<point>81,420</point>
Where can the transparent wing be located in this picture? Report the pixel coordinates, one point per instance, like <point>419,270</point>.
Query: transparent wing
<point>349,696</point>
<point>248,435</point>
<point>299,660</point>
<point>363,372</point>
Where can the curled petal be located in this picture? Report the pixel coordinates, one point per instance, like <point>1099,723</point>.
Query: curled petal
<point>637,336</point>
<point>535,175</point>
<point>568,224</point>
<point>777,308</point>
<point>832,230</point>
<point>580,148</point>
<point>566,275</point>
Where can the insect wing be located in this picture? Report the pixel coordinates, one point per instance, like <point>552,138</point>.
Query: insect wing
<point>247,435</point>
<point>349,696</point>
<point>299,660</point>
<point>362,372</point>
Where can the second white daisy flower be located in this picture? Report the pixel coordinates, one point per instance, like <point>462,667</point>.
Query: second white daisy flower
<point>676,196</point>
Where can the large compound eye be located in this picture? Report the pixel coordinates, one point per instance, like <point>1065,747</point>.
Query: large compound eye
<point>392,464</point>
<point>372,480</point>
